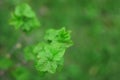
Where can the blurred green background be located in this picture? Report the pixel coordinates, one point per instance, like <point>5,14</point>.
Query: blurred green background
<point>95,26</point>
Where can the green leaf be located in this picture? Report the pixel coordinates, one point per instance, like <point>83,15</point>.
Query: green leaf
<point>24,10</point>
<point>24,18</point>
<point>48,55</point>
<point>60,36</point>
<point>45,65</point>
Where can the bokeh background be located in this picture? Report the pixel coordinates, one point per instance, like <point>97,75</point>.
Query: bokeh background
<point>95,26</point>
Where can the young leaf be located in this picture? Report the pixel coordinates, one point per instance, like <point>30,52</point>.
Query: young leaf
<point>24,18</point>
<point>59,36</point>
<point>48,55</point>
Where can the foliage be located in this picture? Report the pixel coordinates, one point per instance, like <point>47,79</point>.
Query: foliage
<point>48,55</point>
<point>24,18</point>
<point>95,30</point>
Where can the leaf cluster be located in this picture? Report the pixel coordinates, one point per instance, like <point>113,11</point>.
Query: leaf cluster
<point>48,55</point>
<point>24,18</point>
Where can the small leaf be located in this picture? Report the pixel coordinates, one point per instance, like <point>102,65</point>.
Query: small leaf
<point>24,18</point>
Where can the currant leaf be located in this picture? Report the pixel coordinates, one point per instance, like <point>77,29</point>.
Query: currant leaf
<point>24,18</point>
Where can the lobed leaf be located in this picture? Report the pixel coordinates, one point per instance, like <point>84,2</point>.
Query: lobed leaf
<point>48,55</point>
<point>24,18</point>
